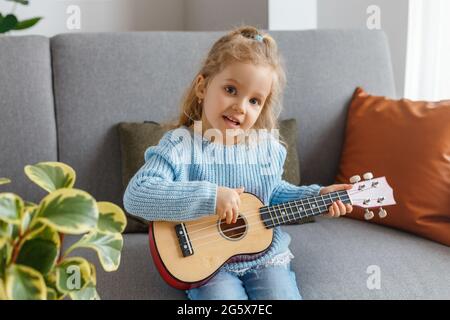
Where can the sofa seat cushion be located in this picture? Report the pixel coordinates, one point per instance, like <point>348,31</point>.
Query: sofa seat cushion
<point>332,261</point>
<point>336,258</point>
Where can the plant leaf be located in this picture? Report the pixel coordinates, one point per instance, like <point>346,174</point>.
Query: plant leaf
<point>3,241</point>
<point>69,211</point>
<point>25,283</point>
<point>2,290</point>
<point>3,258</point>
<point>107,245</point>
<point>111,218</point>
<point>51,176</point>
<point>13,230</point>
<point>8,23</point>
<point>87,293</point>
<point>50,281</point>
<point>93,274</point>
<point>24,2</point>
<point>11,208</point>
<point>4,180</point>
<point>73,274</point>
<point>41,251</point>
<point>25,24</point>
<point>51,294</point>
<point>4,230</point>
<point>29,211</point>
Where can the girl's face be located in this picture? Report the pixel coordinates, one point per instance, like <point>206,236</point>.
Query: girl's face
<point>234,98</point>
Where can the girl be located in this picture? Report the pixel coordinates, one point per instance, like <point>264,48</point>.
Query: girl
<point>237,91</point>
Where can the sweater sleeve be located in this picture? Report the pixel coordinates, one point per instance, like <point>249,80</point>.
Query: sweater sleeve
<point>157,191</point>
<point>285,191</point>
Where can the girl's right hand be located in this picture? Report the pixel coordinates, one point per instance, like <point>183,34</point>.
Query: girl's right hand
<point>228,203</point>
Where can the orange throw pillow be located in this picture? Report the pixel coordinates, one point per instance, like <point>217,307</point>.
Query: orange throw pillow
<point>408,142</point>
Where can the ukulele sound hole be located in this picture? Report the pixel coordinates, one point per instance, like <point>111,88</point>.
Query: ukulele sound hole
<point>233,231</point>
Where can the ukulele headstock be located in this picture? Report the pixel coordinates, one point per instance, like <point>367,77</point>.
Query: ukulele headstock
<point>371,193</point>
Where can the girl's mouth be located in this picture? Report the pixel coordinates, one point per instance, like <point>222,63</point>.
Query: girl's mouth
<point>231,122</point>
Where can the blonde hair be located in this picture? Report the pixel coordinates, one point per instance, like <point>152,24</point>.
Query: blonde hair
<point>242,44</point>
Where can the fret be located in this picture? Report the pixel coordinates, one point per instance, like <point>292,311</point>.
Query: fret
<point>313,206</point>
<point>287,205</point>
<point>295,209</point>
<point>336,196</point>
<point>276,215</point>
<point>266,217</point>
<point>321,205</point>
<point>343,195</point>
<point>286,210</point>
<point>349,201</point>
<point>292,210</point>
<point>283,212</point>
<point>331,198</point>
<point>346,198</point>
<point>299,209</point>
<point>316,205</point>
<point>325,205</point>
<point>307,207</point>
<point>271,216</point>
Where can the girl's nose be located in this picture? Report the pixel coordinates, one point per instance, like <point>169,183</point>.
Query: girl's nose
<point>239,107</point>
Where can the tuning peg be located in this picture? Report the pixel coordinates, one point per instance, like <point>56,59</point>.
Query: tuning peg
<point>368,214</point>
<point>355,179</point>
<point>382,213</point>
<point>368,176</point>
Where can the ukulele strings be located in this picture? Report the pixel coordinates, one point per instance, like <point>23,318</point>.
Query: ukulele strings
<point>245,226</point>
<point>252,213</point>
<point>208,235</point>
<point>248,214</point>
<point>275,221</point>
<point>245,212</point>
<point>235,228</point>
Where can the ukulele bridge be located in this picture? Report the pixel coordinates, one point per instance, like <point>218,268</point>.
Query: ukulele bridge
<point>183,240</point>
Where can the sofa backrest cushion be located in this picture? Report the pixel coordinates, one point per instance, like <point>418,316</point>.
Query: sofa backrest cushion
<point>27,117</point>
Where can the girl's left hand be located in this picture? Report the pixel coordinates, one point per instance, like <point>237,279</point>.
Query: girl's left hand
<point>338,208</point>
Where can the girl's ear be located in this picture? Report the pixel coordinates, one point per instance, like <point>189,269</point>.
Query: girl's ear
<point>200,89</point>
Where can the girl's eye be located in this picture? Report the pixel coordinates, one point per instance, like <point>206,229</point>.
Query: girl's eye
<point>256,101</point>
<point>230,91</point>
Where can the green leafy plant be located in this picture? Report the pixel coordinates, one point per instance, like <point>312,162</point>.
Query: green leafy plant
<point>10,22</point>
<point>32,264</point>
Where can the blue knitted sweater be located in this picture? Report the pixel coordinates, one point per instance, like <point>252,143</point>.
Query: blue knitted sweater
<point>179,181</point>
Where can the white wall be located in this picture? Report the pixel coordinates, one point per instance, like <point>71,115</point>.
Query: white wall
<point>200,15</point>
<point>215,15</point>
<point>394,21</point>
<point>101,15</point>
<point>292,14</point>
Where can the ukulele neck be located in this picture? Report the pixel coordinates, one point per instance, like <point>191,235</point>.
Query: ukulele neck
<point>286,212</point>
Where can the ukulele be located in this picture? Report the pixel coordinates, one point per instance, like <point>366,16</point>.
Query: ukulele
<point>188,254</point>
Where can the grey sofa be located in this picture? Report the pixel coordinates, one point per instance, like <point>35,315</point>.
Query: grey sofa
<point>62,98</point>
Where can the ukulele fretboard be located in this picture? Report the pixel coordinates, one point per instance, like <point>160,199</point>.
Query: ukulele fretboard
<point>286,212</point>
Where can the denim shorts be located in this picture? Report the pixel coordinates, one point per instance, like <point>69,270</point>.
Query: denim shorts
<point>275,282</point>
